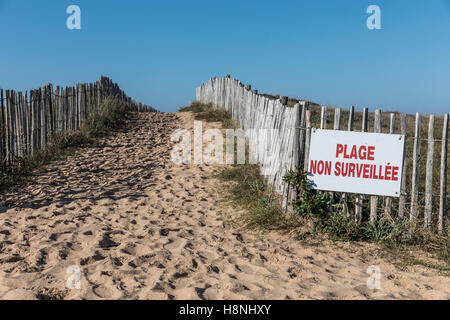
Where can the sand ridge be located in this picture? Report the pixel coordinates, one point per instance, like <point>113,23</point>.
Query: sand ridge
<point>140,227</point>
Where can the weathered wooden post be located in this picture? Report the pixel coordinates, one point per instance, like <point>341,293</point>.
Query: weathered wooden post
<point>388,202</point>
<point>402,200</point>
<point>7,129</point>
<point>323,117</point>
<point>307,138</point>
<point>374,199</point>
<point>2,120</point>
<point>351,116</point>
<point>32,121</point>
<point>15,144</point>
<point>442,223</point>
<point>302,132</point>
<point>359,197</point>
<point>415,170</point>
<point>429,174</point>
<point>43,117</point>
<point>292,195</point>
<point>337,119</point>
<point>336,126</point>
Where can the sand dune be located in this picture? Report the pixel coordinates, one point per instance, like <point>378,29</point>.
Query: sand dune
<point>140,227</point>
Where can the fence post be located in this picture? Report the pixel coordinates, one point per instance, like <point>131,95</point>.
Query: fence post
<point>442,223</point>
<point>2,120</point>
<point>336,126</point>
<point>15,142</point>
<point>292,195</point>
<point>337,119</point>
<point>351,117</point>
<point>18,108</point>
<point>297,127</point>
<point>6,128</point>
<point>7,131</point>
<point>15,135</point>
<point>15,122</point>
<point>307,137</point>
<point>429,174</point>
<point>415,170</point>
<point>59,109</point>
<point>374,199</point>
<point>78,105</point>
<point>323,125</point>
<point>32,124</point>
<point>28,123</point>
<point>323,118</point>
<point>25,124</point>
<point>37,97</point>
<point>302,132</point>
<point>388,204</point>
<point>51,114</point>
<point>402,200</point>
<point>43,117</point>
<point>20,127</point>
<point>65,109</point>
<point>70,107</point>
<point>359,197</point>
<point>84,100</point>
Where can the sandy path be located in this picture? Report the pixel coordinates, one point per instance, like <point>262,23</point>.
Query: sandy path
<point>140,227</point>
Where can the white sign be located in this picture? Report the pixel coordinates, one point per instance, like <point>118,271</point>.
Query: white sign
<point>356,162</point>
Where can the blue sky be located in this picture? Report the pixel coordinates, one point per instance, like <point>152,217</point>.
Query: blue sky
<point>160,51</point>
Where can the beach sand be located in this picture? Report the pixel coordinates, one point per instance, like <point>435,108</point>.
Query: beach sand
<point>137,226</point>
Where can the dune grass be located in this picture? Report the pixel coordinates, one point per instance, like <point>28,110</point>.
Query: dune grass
<point>207,113</point>
<point>249,190</point>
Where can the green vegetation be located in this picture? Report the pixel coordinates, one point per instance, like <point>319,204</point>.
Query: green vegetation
<point>108,116</point>
<point>332,217</point>
<point>249,190</point>
<point>207,113</point>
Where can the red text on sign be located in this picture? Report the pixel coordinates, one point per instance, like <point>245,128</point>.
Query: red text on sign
<point>361,152</point>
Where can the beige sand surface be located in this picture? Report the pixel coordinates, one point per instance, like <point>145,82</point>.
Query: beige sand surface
<point>140,227</point>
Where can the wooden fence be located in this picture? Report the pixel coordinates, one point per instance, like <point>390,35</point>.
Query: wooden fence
<point>29,120</point>
<point>274,146</point>
<point>424,179</point>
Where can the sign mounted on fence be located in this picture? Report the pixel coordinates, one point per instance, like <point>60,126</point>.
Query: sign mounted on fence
<point>356,162</point>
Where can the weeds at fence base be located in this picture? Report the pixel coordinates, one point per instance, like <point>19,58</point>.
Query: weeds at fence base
<point>396,237</point>
<point>110,115</point>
